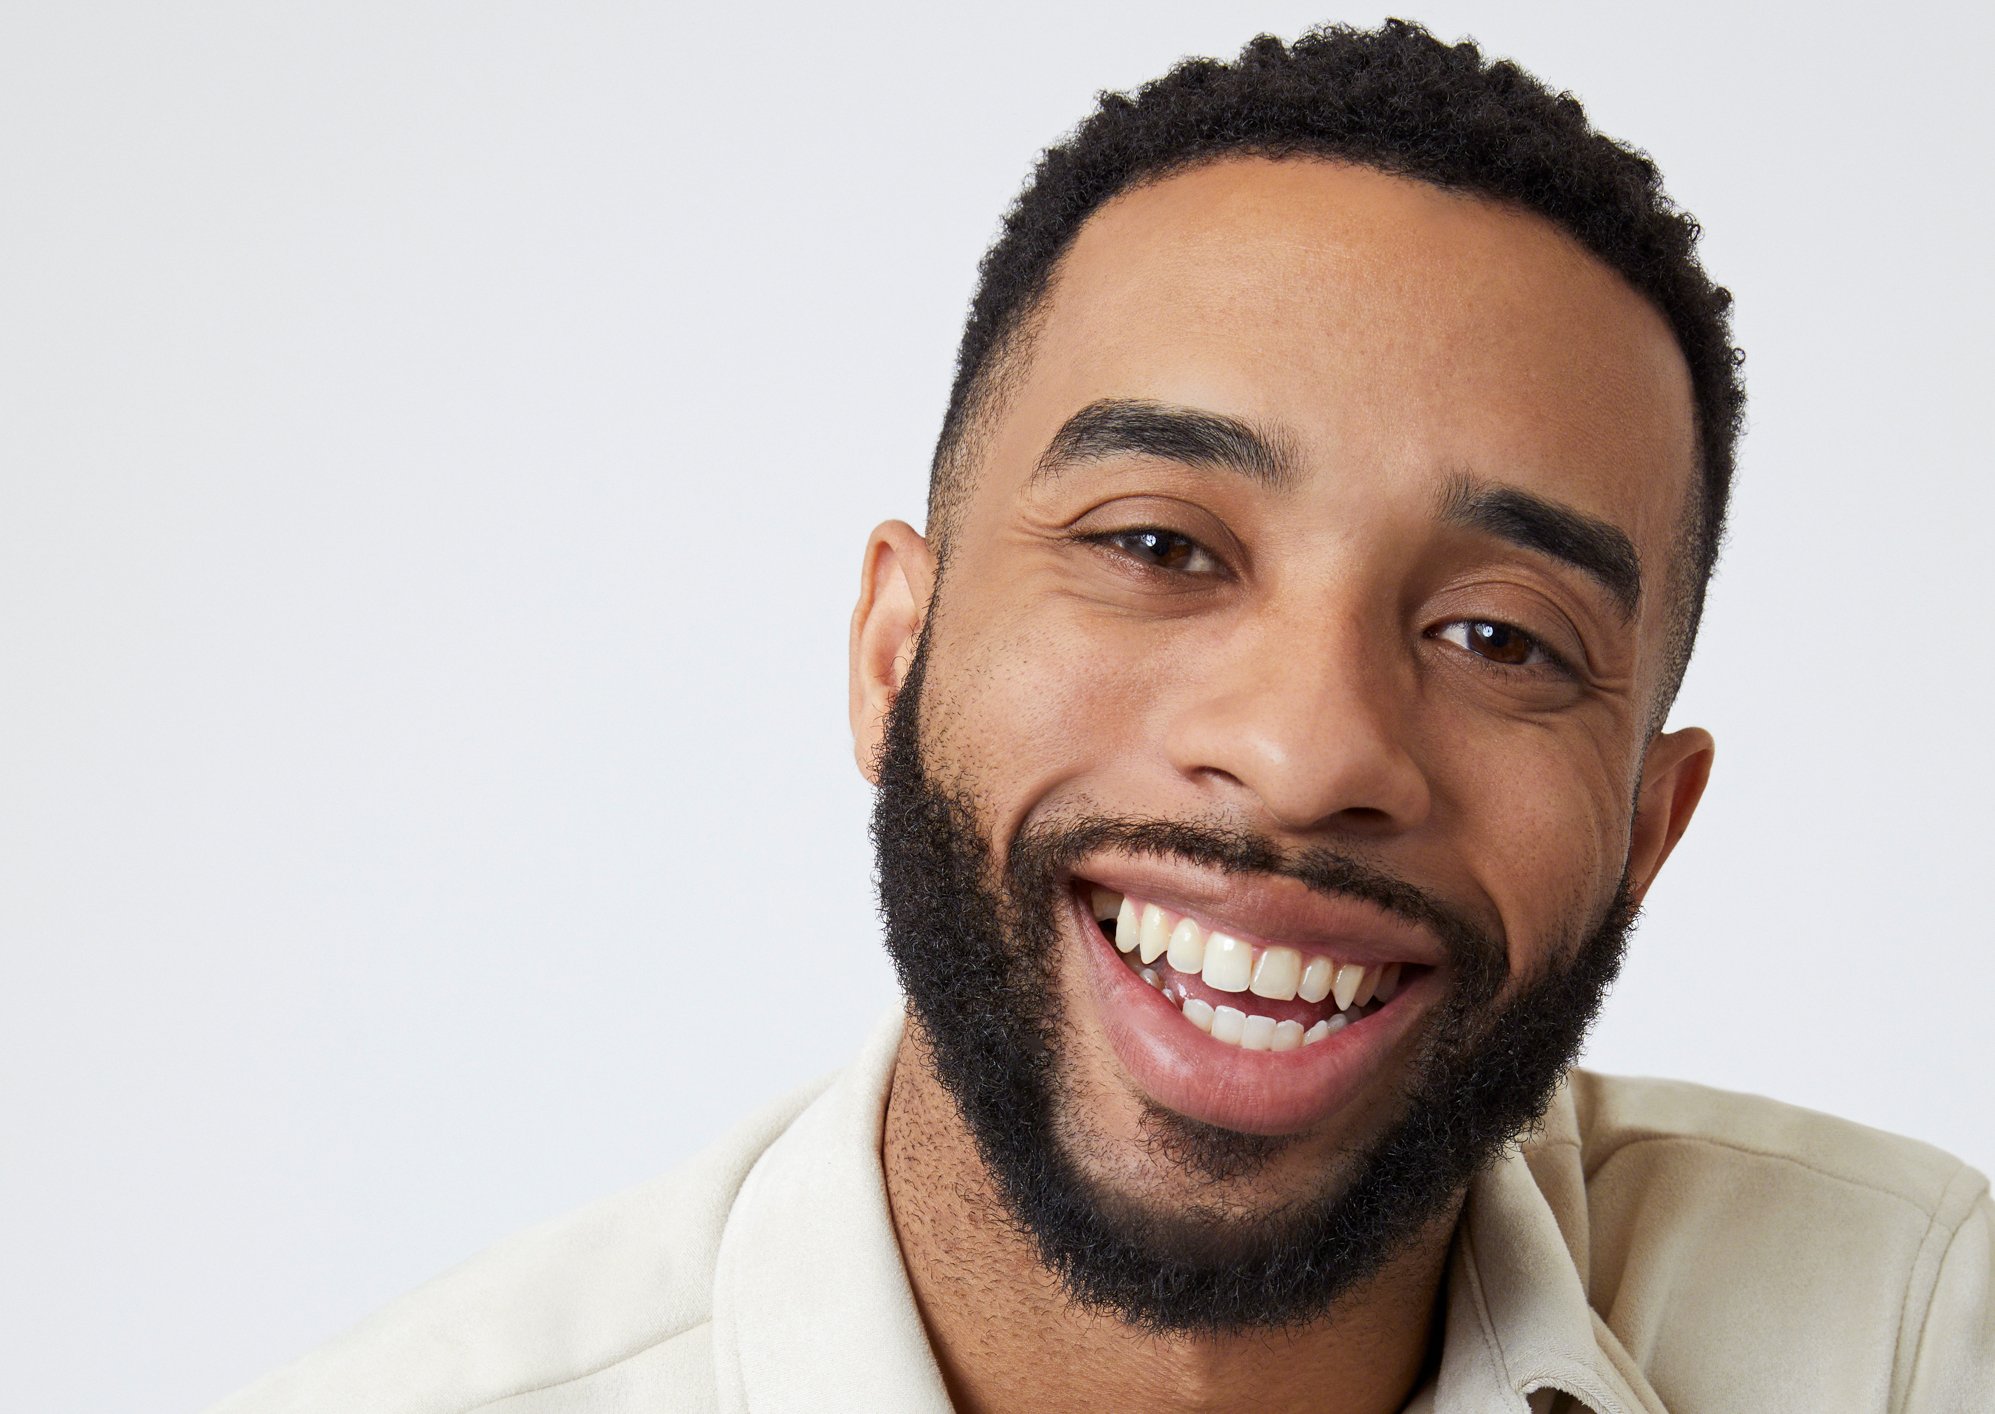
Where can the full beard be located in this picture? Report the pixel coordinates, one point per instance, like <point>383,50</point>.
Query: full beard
<point>976,943</point>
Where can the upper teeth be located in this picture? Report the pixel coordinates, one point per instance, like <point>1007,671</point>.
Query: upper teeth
<point>1229,964</point>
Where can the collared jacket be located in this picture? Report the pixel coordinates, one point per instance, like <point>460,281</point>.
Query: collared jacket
<point>1653,1247</point>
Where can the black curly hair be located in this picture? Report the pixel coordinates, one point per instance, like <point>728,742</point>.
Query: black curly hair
<point>1398,100</point>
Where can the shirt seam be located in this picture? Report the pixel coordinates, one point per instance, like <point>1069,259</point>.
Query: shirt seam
<point>1587,1383</point>
<point>1905,1299</point>
<point>1730,1146</point>
<point>611,1364</point>
<point>1574,1379</point>
<point>1487,1326</point>
<point>1965,1170</point>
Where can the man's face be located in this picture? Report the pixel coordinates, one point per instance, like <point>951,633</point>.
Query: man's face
<point>1312,597</point>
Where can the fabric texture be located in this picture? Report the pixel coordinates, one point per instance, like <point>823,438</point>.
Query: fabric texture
<point>1655,1246</point>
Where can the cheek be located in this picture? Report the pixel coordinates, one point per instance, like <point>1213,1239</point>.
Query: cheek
<point>1546,820</point>
<point>1019,703</point>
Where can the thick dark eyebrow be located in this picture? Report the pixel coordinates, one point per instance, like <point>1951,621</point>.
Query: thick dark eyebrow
<point>1131,427</point>
<point>1592,546</point>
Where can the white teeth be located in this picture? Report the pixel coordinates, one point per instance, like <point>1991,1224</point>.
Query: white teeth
<point>1187,950</point>
<point>1276,973</point>
<point>1229,963</point>
<point>1316,979</point>
<point>1329,1026</point>
<point>1126,927</point>
<point>1251,1031</point>
<point>1228,1023</point>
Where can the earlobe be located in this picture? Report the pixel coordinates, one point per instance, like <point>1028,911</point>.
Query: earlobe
<point>1674,775</point>
<point>895,582</point>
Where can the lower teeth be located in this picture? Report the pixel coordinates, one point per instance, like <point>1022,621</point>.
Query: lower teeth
<point>1249,1030</point>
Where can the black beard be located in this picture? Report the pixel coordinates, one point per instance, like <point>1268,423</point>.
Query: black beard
<point>976,960</point>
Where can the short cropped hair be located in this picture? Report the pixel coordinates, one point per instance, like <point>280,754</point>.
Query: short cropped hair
<point>1399,101</point>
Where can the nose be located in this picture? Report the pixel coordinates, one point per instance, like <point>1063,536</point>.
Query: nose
<point>1311,727</point>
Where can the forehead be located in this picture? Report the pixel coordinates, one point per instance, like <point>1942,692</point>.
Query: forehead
<point>1396,333</point>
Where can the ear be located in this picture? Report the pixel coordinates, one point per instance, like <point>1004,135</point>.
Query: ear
<point>895,581</point>
<point>1674,774</point>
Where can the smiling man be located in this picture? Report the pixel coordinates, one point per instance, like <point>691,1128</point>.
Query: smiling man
<point>1268,734</point>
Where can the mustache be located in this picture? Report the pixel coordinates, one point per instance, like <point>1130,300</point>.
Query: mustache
<point>1038,855</point>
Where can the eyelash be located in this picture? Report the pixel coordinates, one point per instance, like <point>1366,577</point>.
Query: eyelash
<point>1552,661</point>
<point>1120,542</point>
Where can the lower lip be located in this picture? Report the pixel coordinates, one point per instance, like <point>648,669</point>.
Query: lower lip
<point>1253,1092</point>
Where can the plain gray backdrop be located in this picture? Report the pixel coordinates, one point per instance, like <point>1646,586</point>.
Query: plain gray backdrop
<point>436,445</point>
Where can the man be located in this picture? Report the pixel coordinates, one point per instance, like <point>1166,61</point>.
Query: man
<point>1269,751</point>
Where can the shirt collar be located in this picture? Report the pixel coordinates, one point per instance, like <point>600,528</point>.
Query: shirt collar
<point>812,1309</point>
<point>813,1313</point>
<point>1518,1320</point>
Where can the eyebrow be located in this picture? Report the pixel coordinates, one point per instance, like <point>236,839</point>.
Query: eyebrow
<point>1132,427</point>
<point>1592,546</point>
<point>1112,427</point>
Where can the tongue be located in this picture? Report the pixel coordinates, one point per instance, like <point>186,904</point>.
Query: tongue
<point>1181,985</point>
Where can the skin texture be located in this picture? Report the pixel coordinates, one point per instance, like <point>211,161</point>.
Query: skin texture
<point>1302,670</point>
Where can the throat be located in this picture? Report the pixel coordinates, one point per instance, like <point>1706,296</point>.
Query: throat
<point>989,1307</point>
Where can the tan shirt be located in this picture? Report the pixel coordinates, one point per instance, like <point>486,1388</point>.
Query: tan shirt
<point>1657,1246</point>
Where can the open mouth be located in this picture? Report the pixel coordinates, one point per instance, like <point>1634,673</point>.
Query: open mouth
<point>1256,997</point>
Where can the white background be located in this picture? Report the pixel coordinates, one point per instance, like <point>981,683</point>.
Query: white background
<point>436,444</point>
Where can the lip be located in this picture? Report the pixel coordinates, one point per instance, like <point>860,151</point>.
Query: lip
<point>1268,910</point>
<point>1254,1092</point>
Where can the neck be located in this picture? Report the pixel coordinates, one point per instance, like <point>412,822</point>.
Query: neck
<point>1007,1337</point>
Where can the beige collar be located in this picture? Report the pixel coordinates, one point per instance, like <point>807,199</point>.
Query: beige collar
<point>1518,1317</point>
<point>812,1309</point>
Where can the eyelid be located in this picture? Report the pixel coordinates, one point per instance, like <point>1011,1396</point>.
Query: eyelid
<point>1554,660</point>
<point>1108,540</point>
<point>1537,606</point>
<point>1152,508</point>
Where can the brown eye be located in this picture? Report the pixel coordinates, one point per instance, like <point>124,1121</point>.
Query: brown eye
<point>1164,550</point>
<point>1497,642</point>
<point>1500,642</point>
